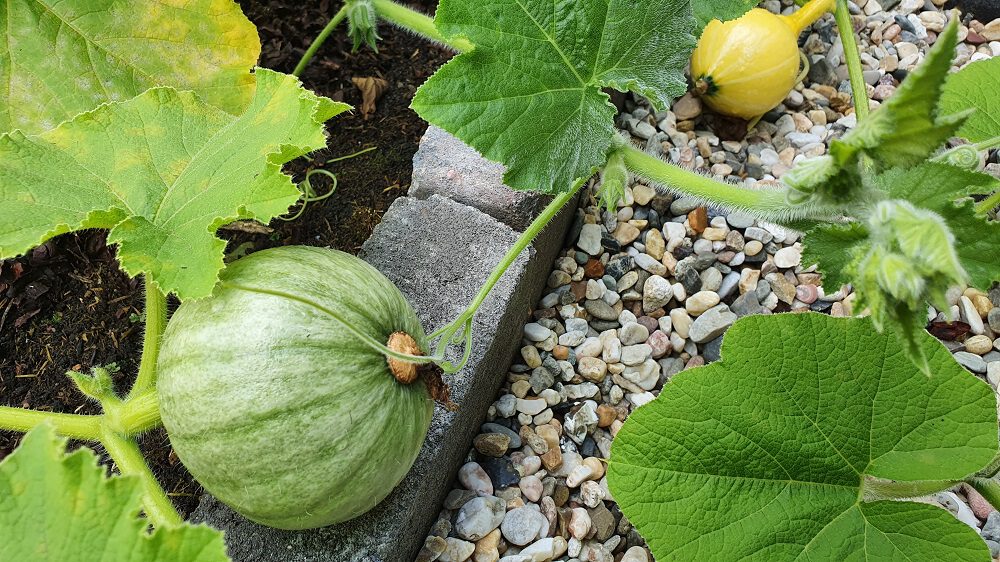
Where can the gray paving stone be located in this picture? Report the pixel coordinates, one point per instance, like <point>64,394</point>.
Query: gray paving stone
<point>448,167</point>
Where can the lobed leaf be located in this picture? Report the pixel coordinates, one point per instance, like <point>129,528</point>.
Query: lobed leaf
<point>57,506</point>
<point>62,58</point>
<point>163,171</point>
<point>529,94</point>
<point>767,454</point>
<point>975,87</point>
<point>833,248</point>
<point>908,127</point>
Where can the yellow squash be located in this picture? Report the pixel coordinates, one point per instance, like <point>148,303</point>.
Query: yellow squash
<point>746,66</point>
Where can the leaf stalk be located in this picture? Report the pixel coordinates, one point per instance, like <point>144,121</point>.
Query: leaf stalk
<point>77,426</point>
<point>858,88</point>
<point>418,23</point>
<point>125,452</point>
<point>156,323</point>
<point>989,488</point>
<point>462,325</point>
<point>766,204</point>
<point>875,489</point>
<point>320,39</point>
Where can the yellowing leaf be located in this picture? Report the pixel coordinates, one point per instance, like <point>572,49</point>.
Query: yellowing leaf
<point>163,171</point>
<point>56,507</point>
<point>61,58</point>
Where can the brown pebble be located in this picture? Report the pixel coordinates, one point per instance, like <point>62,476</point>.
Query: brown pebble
<point>545,313</point>
<point>491,444</point>
<point>698,219</point>
<point>561,495</point>
<point>982,304</point>
<point>560,352</point>
<point>606,415</point>
<point>579,289</point>
<point>552,459</point>
<point>594,269</point>
<point>533,440</point>
<point>980,507</point>
<point>696,361</point>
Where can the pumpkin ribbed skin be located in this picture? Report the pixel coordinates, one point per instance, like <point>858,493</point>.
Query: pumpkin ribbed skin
<point>277,409</point>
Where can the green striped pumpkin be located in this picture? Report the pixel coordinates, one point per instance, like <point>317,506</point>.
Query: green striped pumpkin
<point>275,407</point>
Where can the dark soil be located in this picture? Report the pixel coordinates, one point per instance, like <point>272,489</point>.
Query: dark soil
<point>67,306</point>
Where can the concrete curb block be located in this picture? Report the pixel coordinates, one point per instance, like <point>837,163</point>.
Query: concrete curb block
<point>448,167</point>
<point>438,252</point>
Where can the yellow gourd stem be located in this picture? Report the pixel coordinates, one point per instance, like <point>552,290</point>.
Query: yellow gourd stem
<point>807,14</point>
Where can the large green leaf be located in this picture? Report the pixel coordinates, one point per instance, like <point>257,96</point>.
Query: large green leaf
<point>61,58</point>
<point>56,507</point>
<point>529,94</point>
<point>766,454</point>
<point>975,86</point>
<point>163,171</point>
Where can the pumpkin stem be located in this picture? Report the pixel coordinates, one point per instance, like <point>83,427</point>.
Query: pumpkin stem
<point>404,371</point>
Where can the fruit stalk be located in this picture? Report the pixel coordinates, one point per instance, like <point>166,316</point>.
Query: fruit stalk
<point>138,414</point>
<point>807,14</point>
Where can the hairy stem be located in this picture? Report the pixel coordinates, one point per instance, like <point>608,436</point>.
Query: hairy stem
<point>988,144</point>
<point>988,488</point>
<point>418,23</point>
<point>156,322</point>
<point>320,39</point>
<point>86,428</point>
<point>135,415</point>
<point>463,323</point>
<point>766,204</point>
<point>853,59</point>
<point>159,509</point>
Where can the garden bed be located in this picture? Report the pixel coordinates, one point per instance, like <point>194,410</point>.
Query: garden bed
<point>67,305</point>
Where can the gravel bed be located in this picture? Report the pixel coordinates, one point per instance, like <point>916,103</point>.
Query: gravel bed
<point>639,296</point>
